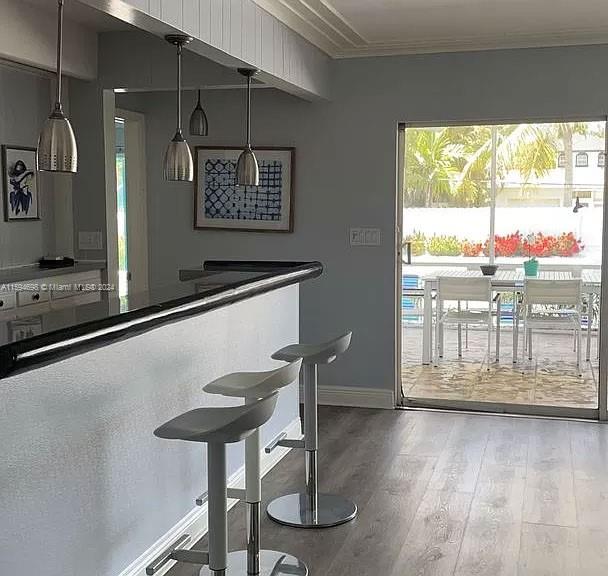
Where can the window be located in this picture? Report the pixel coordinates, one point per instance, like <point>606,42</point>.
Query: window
<point>561,160</point>
<point>582,160</point>
<point>460,210</point>
<point>601,159</point>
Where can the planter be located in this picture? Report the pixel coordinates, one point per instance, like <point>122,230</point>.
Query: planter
<point>531,267</point>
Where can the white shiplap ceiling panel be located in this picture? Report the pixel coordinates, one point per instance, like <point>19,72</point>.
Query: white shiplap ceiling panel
<point>345,28</point>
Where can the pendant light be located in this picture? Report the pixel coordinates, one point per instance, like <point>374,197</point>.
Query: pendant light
<point>247,170</point>
<point>57,150</point>
<point>178,158</point>
<point>198,120</point>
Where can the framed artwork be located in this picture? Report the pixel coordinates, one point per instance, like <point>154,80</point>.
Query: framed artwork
<point>220,203</point>
<point>20,181</point>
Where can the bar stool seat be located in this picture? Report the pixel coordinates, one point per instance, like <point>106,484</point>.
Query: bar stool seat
<point>323,353</point>
<point>251,386</point>
<point>255,384</point>
<point>225,424</point>
<point>216,427</point>
<point>311,509</point>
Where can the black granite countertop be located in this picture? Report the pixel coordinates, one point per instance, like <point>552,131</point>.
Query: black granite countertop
<point>62,333</point>
<point>33,271</point>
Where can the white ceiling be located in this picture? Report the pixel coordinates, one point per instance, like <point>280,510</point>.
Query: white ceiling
<point>345,28</point>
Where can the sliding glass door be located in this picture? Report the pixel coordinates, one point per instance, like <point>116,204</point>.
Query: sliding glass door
<point>527,198</point>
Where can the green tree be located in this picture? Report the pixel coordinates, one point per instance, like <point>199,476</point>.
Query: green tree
<point>565,132</point>
<point>431,165</point>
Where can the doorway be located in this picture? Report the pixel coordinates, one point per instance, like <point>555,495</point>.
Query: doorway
<point>501,194</point>
<point>129,222</point>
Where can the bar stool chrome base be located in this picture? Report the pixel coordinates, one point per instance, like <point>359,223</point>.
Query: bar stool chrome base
<point>272,563</point>
<point>295,510</point>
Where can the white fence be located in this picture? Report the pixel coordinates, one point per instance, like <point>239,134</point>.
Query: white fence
<point>473,224</point>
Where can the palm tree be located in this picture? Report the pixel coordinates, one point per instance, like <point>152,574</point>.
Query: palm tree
<point>431,166</point>
<point>530,149</point>
<point>565,132</point>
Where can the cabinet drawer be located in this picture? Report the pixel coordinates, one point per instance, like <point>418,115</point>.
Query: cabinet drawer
<point>8,301</point>
<point>74,286</point>
<point>30,297</point>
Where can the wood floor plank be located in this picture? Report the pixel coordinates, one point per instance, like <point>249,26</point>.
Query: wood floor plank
<point>429,434</point>
<point>549,551</point>
<point>593,552</point>
<point>549,497</point>
<point>433,542</point>
<point>492,539</point>
<point>460,460</point>
<point>508,442</point>
<point>589,447</point>
<point>592,504</point>
<point>383,524</point>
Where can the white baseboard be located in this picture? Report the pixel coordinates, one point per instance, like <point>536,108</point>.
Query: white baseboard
<point>357,397</point>
<point>195,522</point>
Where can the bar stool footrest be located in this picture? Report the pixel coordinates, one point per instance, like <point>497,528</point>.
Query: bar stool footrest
<point>191,556</point>
<point>272,563</point>
<point>236,493</point>
<point>167,554</point>
<point>294,510</point>
<point>287,443</point>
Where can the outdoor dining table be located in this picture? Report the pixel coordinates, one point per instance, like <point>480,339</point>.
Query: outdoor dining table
<point>503,281</point>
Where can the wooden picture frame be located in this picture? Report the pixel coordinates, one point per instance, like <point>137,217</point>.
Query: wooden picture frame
<point>221,205</point>
<point>20,184</point>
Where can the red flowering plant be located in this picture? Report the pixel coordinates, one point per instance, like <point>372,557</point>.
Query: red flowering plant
<point>568,245</point>
<point>544,245</point>
<point>471,248</point>
<point>508,245</point>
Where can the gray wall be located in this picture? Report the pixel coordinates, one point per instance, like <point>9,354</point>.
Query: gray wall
<point>84,485</point>
<point>24,106</point>
<point>89,184</point>
<point>345,176</point>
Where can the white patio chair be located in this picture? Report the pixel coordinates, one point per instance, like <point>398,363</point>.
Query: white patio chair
<point>462,289</point>
<point>566,293</point>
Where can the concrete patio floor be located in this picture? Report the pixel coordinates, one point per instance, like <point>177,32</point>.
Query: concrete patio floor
<point>550,379</point>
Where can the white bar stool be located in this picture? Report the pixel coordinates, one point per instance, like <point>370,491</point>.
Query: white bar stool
<point>311,509</point>
<point>251,386</point>
<point>216,427</point>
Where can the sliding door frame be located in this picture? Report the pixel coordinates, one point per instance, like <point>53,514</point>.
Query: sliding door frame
<point>599,413</point>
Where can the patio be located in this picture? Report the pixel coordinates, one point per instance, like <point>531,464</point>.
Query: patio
<point>550,379</point>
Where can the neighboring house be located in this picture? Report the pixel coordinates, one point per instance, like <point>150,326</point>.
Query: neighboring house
<point>588,160</point>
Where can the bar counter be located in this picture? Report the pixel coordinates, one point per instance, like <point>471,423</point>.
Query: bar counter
<point>71,331</point>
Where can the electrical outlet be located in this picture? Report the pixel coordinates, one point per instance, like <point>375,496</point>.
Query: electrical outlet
<point>365,237</point>
<point>90,240</point>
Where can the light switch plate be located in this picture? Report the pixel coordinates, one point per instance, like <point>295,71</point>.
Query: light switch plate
<point>365,236</point>
<point>90,240</point>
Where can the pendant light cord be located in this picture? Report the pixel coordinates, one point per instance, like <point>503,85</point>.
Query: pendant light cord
<point>59,52</point>
<point>199,97</point>
<point>248,111</point>
<point>179,87</point>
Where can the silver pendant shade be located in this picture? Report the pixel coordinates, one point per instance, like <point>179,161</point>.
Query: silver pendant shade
<point>198,120</point>
<point>247,169</point>
<point>178,165</point>
<point>57,151</point>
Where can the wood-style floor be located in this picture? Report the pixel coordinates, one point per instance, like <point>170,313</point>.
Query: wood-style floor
<point>442,494</point>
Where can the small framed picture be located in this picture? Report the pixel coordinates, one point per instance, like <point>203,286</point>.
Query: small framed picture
<point>20,181</point>
<point>25,328</point>
<point>219,203</point>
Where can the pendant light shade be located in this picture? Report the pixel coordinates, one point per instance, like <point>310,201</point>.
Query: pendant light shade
<point>178,165</point>
<point>247,169</point>
<point>178,160</point>
<point>198,120</point>
<point>57,151</point>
